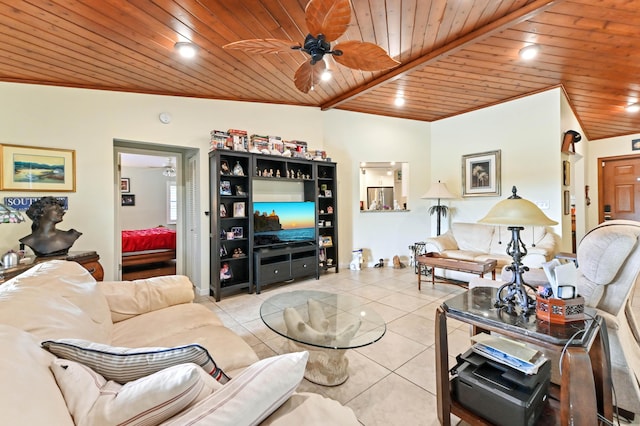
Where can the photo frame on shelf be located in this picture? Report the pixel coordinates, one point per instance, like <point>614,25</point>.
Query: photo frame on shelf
<point>224,167</point>
<point>238,232</point>
<point>26,168</point>
<point>225,187</point>
<point>481,174</point>
<point>128,200</point>
<point>240,192</point>
<point>225,272</point>
<point>223,251</point>
<point>223,210</point>
<point>322,256</point>
<point>326,241</point>
<point>238,209</point>
<point>328,193</point>
<point>125,185</point>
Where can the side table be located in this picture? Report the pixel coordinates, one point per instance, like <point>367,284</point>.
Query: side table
<point>88,259</point>
<point>585,389</point>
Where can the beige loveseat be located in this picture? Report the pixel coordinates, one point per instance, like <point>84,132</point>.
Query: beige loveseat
<point>58,300</point>
<point>478,242</point>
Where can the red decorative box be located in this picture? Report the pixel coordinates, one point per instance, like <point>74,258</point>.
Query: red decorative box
<point>560,311</point>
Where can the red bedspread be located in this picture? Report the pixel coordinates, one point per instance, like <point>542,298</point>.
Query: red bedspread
<point>148,239</point>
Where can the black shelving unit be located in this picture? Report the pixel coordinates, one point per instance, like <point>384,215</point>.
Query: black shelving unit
<point>266,264</point>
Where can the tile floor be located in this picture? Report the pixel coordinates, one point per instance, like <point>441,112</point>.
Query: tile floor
<point>392,382</point>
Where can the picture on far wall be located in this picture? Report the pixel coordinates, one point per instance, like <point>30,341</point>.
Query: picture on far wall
<point>27,168</point>
<point>481,174</point>
<point>635,144</point>
<point>125,185</point>
<point>128,200</point>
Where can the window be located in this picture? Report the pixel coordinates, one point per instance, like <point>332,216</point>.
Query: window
<point>172,202</point>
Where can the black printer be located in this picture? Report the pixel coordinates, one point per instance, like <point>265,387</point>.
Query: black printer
<point>499,393</point>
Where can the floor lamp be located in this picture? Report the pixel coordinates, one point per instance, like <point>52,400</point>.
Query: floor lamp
<point>438,192</point>
<point>515,212</point>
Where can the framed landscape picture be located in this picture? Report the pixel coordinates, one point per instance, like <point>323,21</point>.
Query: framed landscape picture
<point>481,174</point>
<point>125,185</point>
<point>25,168</point>
<point>128,200</point>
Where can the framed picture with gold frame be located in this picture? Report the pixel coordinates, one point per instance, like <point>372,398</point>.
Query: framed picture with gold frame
<point>27,168</point>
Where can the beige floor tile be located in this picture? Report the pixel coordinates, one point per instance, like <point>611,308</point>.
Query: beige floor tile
<point>405,302</point>
<point>392,350</point>
<point>414,327</point>
<point>421,370</point>
<point>395,401</point>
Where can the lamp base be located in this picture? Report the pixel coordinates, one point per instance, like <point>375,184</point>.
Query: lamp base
<point>514,293</point>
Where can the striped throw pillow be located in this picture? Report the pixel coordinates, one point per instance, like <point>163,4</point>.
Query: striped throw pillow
<point>148,401</point>
<point>124,365</point>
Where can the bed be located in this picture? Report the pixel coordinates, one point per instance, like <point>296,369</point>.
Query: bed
<point>148,252</point>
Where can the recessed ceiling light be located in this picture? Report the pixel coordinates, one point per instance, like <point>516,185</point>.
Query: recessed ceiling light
<point>529,52</point>
<point>633,107</point>
<point>186,49</point>
<point>399,101</point>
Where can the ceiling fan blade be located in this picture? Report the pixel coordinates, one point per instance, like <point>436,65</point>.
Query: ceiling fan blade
<point>266,45</point>
<point>328,17</point>
<point>364,56</point>
<point>308,75</point>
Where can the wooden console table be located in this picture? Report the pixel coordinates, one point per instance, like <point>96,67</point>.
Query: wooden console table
<point>433,260</point>
<point>585,389</point>
<point>88,259</point>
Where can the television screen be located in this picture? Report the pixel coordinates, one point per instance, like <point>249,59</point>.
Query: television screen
<point>284,222</point>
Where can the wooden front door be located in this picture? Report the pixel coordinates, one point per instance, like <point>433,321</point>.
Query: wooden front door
<point>619,183</point>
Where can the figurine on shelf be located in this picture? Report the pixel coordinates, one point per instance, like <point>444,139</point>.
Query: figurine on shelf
<point>278,173</point>
<point>265,173</point>
<point>237,252</point>
<point>330,209</point>
<point>238,170</point>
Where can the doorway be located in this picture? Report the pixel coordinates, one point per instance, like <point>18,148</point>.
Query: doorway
<point>165,190</point>
<point>619,188</point>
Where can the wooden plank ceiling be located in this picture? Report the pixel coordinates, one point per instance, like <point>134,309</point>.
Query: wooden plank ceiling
<point>456,55</point>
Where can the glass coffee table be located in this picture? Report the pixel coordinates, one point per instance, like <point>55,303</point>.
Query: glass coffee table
<point>325,325</point>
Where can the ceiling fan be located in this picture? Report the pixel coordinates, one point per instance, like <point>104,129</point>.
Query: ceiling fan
<point>326,21</point>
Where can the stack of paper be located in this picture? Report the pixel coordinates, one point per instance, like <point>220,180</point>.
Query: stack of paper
<point>508,352</point>
<point>560,274</point>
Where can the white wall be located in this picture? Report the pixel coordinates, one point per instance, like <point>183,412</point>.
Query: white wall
<point>150,188</point>
<point>351,138</point>
<point>526,131</point>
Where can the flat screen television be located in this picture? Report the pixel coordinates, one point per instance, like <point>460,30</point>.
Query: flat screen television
<point>276,222</point>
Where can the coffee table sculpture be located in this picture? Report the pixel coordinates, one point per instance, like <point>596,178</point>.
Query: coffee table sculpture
<point>325,325</point>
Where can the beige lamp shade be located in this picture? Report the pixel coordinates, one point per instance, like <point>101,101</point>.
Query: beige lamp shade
<point>438,191</point>
<point>516,211</point>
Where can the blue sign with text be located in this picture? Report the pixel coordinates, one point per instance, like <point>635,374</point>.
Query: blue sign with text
<point>23,203</point>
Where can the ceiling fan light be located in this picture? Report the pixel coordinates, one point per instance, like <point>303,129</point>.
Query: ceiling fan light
<point>529,52</point>
<point>399,101</point>
<point>169,172</point>
<point>633,107</point>
<point>326,75</point>
<point>185,49</point>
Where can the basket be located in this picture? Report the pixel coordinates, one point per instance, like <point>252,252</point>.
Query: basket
<point>560,311</point>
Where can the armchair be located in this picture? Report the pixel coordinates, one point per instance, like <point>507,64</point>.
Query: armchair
<point>609,264</point>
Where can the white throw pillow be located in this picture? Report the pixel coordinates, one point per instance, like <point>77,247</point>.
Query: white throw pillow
<point>251,396</point>
<point>123,365</point>
<point>148,401</point>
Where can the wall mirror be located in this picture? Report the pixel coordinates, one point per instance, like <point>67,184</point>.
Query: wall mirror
<point>384,186</point>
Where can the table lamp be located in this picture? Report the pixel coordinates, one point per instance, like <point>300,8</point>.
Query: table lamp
<point>438,192</point>
<point>515,212</point>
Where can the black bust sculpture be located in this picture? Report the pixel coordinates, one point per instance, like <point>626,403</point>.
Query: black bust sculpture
<point>45,239</point>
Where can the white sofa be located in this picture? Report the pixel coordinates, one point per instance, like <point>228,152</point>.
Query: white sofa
<point>60,300</point>
<point>479,242</point>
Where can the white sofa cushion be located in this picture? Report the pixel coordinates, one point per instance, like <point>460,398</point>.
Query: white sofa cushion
<point>30,395</point>
<point>148,401</point>
<point>472,237</point>
<point>251,396</point>
<point>56,299</point>
<point>124,365</point>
